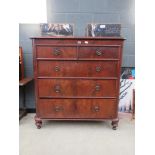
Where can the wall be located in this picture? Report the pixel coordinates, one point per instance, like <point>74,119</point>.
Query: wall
<point>25,32</point>
<point>81,12</point>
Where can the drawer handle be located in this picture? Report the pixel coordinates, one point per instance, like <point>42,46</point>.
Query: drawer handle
<point>57,52</point>
<point>98,69</point>
<point>57,89</point>
<point>58,108</point>
<point>57,68</point>
<point>98,53</point>
<point>97,88</point>
<point>96,108</point>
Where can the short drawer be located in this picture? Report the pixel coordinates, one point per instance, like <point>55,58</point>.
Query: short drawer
<point>77,68</point>
<point>56,52</point>
<point>76,88</point>
<point>80,108</point>
<point>99,52</point>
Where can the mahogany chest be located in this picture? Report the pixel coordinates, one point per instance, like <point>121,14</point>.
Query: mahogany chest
<point>77,78</point>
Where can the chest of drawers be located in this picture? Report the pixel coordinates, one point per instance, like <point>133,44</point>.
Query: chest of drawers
<point>77,78</point>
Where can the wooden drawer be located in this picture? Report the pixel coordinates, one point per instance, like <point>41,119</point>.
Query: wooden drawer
<point>76,88</point>
<point>77,68</point>
<point>79,41</point>
<point>98,52</point>
<point>83,108</point>
<point>56,52</point>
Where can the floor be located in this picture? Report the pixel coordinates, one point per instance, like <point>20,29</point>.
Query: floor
<point>76,138</point>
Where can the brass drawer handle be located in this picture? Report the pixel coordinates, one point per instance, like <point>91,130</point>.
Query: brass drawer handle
<point>58,108</point>
<point>98,52</point>
<point>98,69</point>
<point>97,88</point>
<point>57,52</point>
<point>57,68</point>
<point>57,88</point>
<point>96,108</point>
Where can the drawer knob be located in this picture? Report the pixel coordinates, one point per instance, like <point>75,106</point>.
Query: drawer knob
<point>58,108</point>
<point>57,52</point>
<point>98,69</point>
<point>57,89</point>
<point>86,42</point>
<point>98,53</point>
<point>79,42</point>
<point>57,68</point>
<point>96,108</point>
<point>97,88</point>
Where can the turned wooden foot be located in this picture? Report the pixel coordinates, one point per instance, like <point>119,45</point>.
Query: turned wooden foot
<point>38,121</point>
<point>114,123</point>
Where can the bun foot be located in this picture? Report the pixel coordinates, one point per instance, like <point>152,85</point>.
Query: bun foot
<point>38,126</point>
<point>114,123</point>
<point>38,122</point>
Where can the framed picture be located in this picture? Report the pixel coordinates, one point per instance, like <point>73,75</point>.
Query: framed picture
<point>101,30</point>
<point>127,85</point>
<point>57,29</point>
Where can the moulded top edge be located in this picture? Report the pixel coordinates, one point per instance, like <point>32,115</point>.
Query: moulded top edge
<point>72,37</point>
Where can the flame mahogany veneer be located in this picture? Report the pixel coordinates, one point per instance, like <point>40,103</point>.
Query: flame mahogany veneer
<point>77,78</point>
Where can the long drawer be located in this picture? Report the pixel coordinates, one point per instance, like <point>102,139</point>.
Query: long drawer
<point>77,68</point>
<point>76,88</point>
<point>83,108</point>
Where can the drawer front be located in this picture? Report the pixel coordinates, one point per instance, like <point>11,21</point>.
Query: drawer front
<point>77,68</point>
<point>76,88</point>
<point>56,52</point>
<point>79,41</point>
<point>98,53</point>
<point>83,108</point>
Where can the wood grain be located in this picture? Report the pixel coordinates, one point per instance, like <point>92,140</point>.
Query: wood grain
<point>77,78</point>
